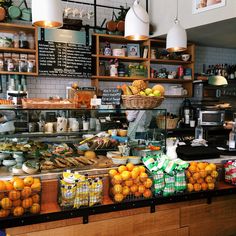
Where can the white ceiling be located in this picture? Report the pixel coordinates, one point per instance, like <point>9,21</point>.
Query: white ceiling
<point>219,34</point>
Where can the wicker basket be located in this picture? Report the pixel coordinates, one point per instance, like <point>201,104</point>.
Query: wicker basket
<point>170,123</point>
<point>141,102</point>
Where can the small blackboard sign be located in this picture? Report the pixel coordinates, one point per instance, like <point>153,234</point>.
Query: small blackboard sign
<point>111,96</point>
<point>64,59</point>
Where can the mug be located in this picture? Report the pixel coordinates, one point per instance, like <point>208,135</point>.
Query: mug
<point>61,124</point>
<point>49,127</point>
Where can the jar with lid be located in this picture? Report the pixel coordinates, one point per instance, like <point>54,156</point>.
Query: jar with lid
<point>23,42</point>
<point>31,41</point>
<point>16,39</point>
<point>10,65</point>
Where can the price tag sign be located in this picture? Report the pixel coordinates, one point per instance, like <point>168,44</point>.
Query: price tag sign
<point>111,96</point>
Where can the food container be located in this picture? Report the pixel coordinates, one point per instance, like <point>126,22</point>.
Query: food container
<point>119,160</point>
<point>3,156</point>
<point>166,122</point>
<point>113,154</point>
<point>118,52</point>
<point>122,132</point>
<point>134,159</point>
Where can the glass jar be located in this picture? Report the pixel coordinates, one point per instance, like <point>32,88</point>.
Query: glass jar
<point>23,41</point>
<point>10,65</point>
<point>31,41</point>
<point>16,39</point>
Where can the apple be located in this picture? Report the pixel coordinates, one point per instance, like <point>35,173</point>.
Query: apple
<point>151,95</point>
<point>141,67</point>
<point>142,93</point>
<point>157,93</point>
<point>148,91</point>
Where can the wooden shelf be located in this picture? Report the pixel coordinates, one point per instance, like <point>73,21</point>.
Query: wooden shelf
<point>19,50</point>
<point>170,81</point>
<point>17,73</point>
<point>121,58</point>
<point>173,62</point>
<point>116,78</point>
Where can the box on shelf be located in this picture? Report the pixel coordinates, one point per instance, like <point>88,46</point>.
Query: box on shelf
<point>138,72</point>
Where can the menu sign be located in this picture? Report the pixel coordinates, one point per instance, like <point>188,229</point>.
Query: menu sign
<point>111,96</point>
<point>64,59</point>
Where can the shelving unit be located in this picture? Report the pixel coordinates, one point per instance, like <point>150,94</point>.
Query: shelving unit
<point>16,28</point>
<point>116,41</point>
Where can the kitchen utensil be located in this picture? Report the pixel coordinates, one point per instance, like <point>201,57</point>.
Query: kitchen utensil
<point>2,13</point>
<point>120,26</point>
<point>26,13</point>
<point>111,25</point>
<point>14,12</point>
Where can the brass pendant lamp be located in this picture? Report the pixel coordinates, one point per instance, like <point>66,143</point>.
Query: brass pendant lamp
<point>176,40</point>
<point>47,13</point>
<point>137,23</point>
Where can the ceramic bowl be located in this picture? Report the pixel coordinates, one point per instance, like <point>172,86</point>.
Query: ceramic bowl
<point>185,57</point>
<point>113,154</point>
<point>134,159</point>
<point>119,160</point>
<point>3,156</point>
<point>9,162</point>
<point>122,132</point>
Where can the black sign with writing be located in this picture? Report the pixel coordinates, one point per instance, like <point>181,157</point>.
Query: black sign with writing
<point>111,96</point>
<point>64,59</point>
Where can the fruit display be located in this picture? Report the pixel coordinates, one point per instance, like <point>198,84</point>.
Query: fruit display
<point>19,196</point>
<point>201,176</point>
<point>230,172</point>
<point>129,182</point>
<point>139,87</point>
<point>168,175</point>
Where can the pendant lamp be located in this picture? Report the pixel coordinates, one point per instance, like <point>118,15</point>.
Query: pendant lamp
<point>176,40</point>
<point>137,23</point>
<point>47,13</point>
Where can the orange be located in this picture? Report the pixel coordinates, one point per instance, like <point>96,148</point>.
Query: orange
<point>18,211</point>
<point>197,187</point>
<point>27,203</point>
<point>134,174</point>
<point>14,179</point>
<point>2,185</point>
<point>148,183</point>
<point>209,179</point>
<point>147,193</point>
<point>134,188</point>
<point>142,169</point>
<point>8,185</point>
<point>143,176</point>
<point>16,203</point>
<point>2,195</point>
<point>35,198</point>
<point>211,186</point>
<point>137,194</point>
<point>26,192</point>
<point>193,163</point>
<point>201,166</point>
<point>117,188</point>
<point>28,181</point>
<point>213,166</point>
<point>203,173</point>
<point>125,190</point>
<point>136,169</point>
<point>129,182</point>
<point>200,180</point>
<point>4,213</point>
<point>190,187</point>
<point>214,174</point>
<point>125,175</point>
<point>118,197</point>
<point>116,179</point>
<point>112,173</point>
<point>130,166</point>
<point>141,188</point>
<point>36,180</point>
<point>35,209</point>
<point>192,168</point>
<point>36,187</point>
<point>14,195</point>
<point>191,180</point>
<point>121,168</point>
<point>18,184</point>
<point>196,176</point>
<point>204,186</point>
<point>188,174</point>
<point>208,169</point>
<point>6,203</point>
<point>137,180</point>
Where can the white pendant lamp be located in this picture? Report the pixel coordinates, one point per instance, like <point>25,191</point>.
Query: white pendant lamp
<point>176,40</point>
<point>47,13</point>
<point>137,23</point>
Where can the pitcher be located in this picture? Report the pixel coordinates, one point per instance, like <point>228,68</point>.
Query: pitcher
<point>61,124</point>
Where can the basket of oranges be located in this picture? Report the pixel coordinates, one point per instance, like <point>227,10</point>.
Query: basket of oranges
<point>129,182</point>
<point>201,176</point>
<point>19,196</point>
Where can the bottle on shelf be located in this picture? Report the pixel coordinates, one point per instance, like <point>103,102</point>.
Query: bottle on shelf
<point>199,130</point>
<point>232,138</point>
<point>185,112</point>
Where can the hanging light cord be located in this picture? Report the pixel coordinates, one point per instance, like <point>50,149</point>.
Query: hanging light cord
<point>145,22</point>
<point>177,12</point>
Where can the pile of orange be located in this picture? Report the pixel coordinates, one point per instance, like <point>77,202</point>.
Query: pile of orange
<point>130,181</point>
<point>201,176</point>
<point>19,195</point>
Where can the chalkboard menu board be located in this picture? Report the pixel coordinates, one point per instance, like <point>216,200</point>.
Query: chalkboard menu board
<point>111,96</point>
<point>64,59</point>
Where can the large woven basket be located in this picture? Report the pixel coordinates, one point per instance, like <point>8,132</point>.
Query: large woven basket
<point>141,102</point>
<point>170,123</point>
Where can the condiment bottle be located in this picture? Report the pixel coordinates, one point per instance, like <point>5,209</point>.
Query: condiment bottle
<point>31,41</point>
<point>199,130</point>
<point>23,43</point>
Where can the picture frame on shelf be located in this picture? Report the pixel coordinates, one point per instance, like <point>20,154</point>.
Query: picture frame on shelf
<point>206,5</point>
<point>133,50</point>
